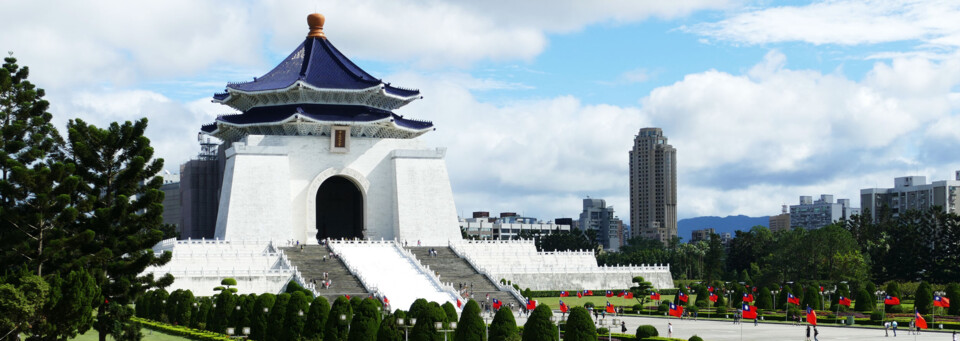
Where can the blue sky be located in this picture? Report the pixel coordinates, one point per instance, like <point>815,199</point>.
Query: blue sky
<point>537,102</point>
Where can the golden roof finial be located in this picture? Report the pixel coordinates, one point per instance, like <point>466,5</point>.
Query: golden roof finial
<point>315,21</point>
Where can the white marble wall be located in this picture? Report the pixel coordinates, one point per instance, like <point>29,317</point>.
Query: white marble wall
<point>271,182</point>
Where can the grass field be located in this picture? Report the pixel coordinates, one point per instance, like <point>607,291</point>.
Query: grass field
<point>598,301</point>
<point>148,335</point>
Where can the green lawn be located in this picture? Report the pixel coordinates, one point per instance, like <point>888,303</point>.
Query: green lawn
<point>148,335</point>
<point>598,301</point>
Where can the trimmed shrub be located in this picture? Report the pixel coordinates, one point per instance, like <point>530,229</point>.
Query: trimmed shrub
<point>504,326</point>
<point>663,308</point>
<point>470,327</point>
<point>366,321</point>
<point>865,302</point>
<point>923,298</point>
<point>297,309</point>
<point>450,310</point>
<point>695,338</point>
<point>588,305</point>
<point>259,318</point>
<point>425,329</point>
<point>893,289</point>
<point>316,318</point>
<point>764,298</point>
<point>602,331</point>
<point>336,328</point>
<point>637,308</point>
<point>277,315</point>
<point>953,293</point>
<point>539,327</point>
<point>646,331</point>
<point>876,316</point>
<point>389,330</point>
<point>579,326</point>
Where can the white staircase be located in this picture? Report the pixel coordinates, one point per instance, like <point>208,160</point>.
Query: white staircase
<point>388,270</point>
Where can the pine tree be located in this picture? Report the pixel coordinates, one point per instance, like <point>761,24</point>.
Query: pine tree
<point>865,302</point>
<point>923,300</point>
<point>225,306</point>
<point>539,327</point>
<point>425,328</point>
<point>764,299</point>
<point>471,326</point>
<point>504,326</point>
<point>338,322</point>
<point>366,321</point>
<point>204,309</point>
<point>579,326</point>
<point>389,330</point>
<point>121,202</point>
<point>953,293</point>
<point>451,311</point>
<point>316,318</point>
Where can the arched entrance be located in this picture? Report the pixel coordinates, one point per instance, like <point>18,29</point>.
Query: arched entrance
<point>339,209</point>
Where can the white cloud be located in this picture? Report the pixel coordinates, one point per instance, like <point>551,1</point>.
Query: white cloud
<point>843,22</point>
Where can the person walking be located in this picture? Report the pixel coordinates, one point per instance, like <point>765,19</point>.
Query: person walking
<point>808,334</point>
<point>755,322</point>
<point>912,323</point>
<point>623,328</point>
<point>669,329</point>
<point>894,325</point>
<point>886,329</point>
<point>955,337</point>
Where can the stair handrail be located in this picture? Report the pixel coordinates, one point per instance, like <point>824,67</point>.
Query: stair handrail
<point>350,267</point>
<point>296,276</point>
<point>482,270</point>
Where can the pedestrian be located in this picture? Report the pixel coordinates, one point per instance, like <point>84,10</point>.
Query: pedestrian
<point>669,329</point>
<point>886,329</point>
<point>418,242</point>
<point>808,333</point>
<point>894,325</point>
<point>755,322</point>
<point>912,323</point>
<point>955,337</point>
<point>623,329</point>
<point>815,333</point>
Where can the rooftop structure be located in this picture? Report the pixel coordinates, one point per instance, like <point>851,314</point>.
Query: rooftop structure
<point>912,193</point>
<point>810,214</point>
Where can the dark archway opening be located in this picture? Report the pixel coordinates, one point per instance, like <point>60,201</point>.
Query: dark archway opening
<point>339,209</point>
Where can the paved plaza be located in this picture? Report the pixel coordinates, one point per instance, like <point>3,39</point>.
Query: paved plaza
<point>727,331</point>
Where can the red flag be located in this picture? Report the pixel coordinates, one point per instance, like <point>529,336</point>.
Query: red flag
<point>610,308</point>
<point>628,295</point>
<point>621,294</point>
<point>921,322</point>
<point>579,294</point>
<point>754,289</point>
<point>747,297</point>
<point>811,316</point>
<point>749,311</point>
<point>821,288</point>
<point>713,297</point>
<point>497,304</point>
<point>563,307</point>
<point>347,296</point>
<point>655,296</point>
<point>676,310</point>
<point>609,293</point>
<point>458,303</point>
<point>683,297</point>
<point>940,301</point>
<point>531,304</point>
<point>710,289</point>
<point>385,300</point>
<point>589,293</point>
<point>844,301</point>
<point>891,300</point>
<point>792,299</point>
<point>564,294</point>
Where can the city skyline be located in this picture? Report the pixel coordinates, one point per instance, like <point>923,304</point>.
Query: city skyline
<point>537,105</point>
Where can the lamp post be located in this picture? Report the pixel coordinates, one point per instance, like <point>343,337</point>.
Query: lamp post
<point>246,332</point>
<point>440,326</point>
<point>406,326</point>
<point>557,319</point>
<point>774,294</point>
<point>486,326</point>
<point>613,323</point>
<point>883,310</point>
<point>343,318</point>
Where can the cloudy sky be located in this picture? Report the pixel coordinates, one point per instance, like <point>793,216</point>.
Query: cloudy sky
<point>538,102</point>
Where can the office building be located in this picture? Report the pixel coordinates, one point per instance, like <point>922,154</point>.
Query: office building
<point>599,217</point>
<point>810,214</point>
<point>781,222</point>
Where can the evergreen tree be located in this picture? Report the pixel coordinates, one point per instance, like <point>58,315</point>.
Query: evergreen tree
<point>953,293</point>
<point>764,299</point>
<point>278,314</point>
<point>338,322</point>
<point>865,301</point>
<point>893,289</point>
<point>641,290</point>
<point>471,326</point>
<point>244,316</point>
<point>425,329</point>
<point>366,321</point>
<point>19,304</point>
<point>226,303</point>
<point>812,299</point>
<point>204,309</point>
<point>923,300</point>
<point>418,308</point>
<point>120,201</point>
<point>451,312</point>
<point>389,330</point>
<point>539,327</point>
<point>297,309</point>
<point>504,326</point>
<point>579,326</point>
<point>259,318</point>
<point>316,318</point>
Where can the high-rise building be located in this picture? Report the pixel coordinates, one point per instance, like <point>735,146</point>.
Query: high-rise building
<point>912,193</point>
<point>653,186</point>
<point>598,216</point>
<point>810,214</point>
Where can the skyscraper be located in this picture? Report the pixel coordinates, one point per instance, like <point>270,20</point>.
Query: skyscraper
<point>653,186</point>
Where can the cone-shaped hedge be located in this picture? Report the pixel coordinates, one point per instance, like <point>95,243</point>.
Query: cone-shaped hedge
<point>503,326</point>
<point>579,326</point>
<point>316,318</point>
<point>470,327</point>
<point>336,328</point>
<point>539,327</point>
<point>366,321</point>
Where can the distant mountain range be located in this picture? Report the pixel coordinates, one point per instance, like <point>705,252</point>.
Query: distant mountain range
<point>729,224</point>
